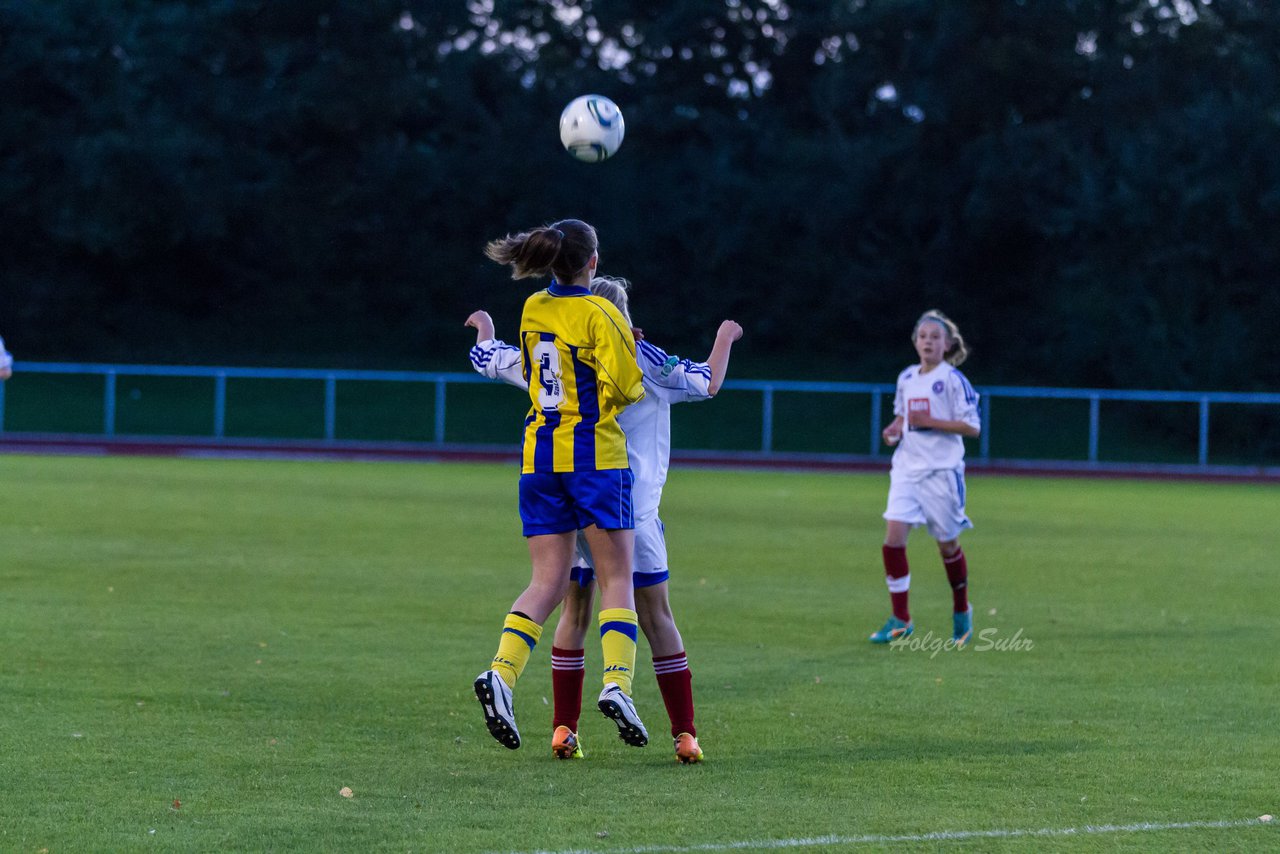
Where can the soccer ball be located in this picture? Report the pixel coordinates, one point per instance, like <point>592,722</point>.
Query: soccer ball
<point>591,128</point>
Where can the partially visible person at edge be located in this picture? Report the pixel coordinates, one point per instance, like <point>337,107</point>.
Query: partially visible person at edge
<point>578,358</point>
<point>6,362</point>
<point>667,380</point>
<point>934,408</point>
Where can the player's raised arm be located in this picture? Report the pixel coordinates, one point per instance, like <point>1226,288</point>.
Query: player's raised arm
<point>482,323</point>
<point>492,358</point>
<point>729,332</point>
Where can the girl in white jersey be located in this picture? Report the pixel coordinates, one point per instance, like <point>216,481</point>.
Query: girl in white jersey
<point>667,380</point>
<point>934,407</point>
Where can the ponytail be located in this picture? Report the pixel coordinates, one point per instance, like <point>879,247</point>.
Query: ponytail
<point>562,249</point>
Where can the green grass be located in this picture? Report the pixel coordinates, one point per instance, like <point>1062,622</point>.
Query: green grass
<point>249,637</point>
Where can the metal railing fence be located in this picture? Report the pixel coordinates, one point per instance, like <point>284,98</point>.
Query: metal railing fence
<point>768,390</point>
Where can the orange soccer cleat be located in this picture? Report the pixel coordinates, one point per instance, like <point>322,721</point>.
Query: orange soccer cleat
<point>687,749</point>
<point>565,744</point>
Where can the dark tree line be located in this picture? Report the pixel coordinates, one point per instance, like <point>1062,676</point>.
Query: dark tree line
<point>1089,187</point>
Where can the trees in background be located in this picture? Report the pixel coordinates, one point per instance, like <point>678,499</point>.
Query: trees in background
<point>1089,187</point>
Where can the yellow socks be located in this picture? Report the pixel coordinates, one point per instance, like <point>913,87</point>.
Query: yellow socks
<point>618,631</point>
<point>618,641</point>
<point>519,636</point>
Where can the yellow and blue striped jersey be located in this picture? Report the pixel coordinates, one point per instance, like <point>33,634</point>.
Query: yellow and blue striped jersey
<point>580,362</point>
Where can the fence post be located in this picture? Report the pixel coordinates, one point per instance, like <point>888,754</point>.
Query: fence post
<point>875,423</point>
<point>766,420</point>
<point>109,404</point>
<point>219,404</point>
<point>440,410</point>
<point>984,438</point>
<point>1203,454</point>
<point>1094,406</point>
<point>330,407</point>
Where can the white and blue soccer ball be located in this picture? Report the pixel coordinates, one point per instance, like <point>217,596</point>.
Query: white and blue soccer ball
<point>591,128</point>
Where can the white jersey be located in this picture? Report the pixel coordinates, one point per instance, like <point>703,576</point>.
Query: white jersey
<point>667,380</point>
<point>943,393</point>
<point>6,360</point>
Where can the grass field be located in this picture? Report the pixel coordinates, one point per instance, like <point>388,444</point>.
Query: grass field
<point>199,654</point>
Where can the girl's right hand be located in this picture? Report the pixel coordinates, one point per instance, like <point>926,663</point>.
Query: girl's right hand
<point>891,436</point>
<point>482,323</point>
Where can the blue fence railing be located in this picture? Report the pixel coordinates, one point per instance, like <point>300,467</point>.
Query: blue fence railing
<point>768,389</point>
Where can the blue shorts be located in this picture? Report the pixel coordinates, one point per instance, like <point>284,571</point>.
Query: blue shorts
<point>556,502</point>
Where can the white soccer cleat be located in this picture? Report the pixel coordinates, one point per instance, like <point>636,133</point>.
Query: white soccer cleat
<point>618,707</point>
<point>495,701</point>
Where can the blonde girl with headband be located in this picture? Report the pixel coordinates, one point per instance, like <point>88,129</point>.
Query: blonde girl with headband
<point>934,408</point>
<point>578,357</point>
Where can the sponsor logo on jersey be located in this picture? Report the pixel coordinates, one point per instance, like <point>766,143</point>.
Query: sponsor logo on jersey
<point>917,404</point>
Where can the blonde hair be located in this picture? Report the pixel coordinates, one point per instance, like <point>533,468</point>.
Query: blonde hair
<point>615,291</point>
<point>956,351</point>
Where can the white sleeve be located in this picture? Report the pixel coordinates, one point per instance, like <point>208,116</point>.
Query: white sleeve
<point>6,360</point>
<point>671,378</point>
<point>498,360</point>
<point>899,407</point>
<point>964,400</point>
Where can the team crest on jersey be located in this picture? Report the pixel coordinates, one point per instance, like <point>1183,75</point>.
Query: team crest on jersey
<point>937,387</point>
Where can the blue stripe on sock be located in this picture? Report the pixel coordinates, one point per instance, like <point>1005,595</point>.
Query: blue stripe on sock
<point>628,629</point>
<point>526,638</point>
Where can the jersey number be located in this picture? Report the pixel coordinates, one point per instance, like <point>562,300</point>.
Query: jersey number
<point>550,387</point>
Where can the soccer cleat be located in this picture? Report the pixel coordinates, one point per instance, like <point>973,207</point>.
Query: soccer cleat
<point>495,701</point>
<point>962,626</point>
<point>687,749</point>
<point>565,744</point>
<point>618,707</point>
<point>892,630</point>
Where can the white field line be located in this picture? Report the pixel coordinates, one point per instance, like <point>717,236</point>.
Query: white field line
<point>938,836</point>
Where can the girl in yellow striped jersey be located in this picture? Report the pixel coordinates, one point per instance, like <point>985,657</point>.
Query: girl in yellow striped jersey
<point>579,359</point>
